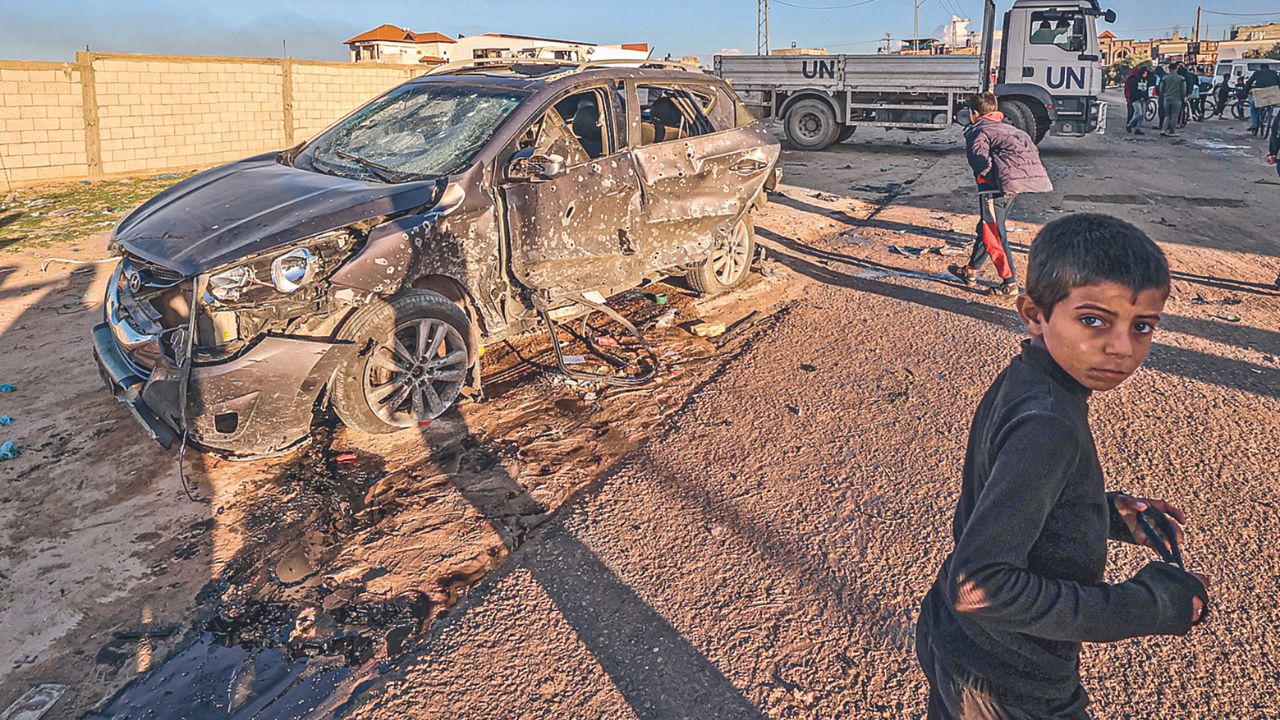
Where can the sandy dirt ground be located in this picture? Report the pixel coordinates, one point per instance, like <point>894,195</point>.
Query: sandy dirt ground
<point>750,537</point>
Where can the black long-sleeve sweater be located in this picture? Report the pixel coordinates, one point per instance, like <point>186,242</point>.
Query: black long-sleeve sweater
<point>1023,587</point>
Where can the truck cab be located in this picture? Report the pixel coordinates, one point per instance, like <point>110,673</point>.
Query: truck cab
<point>1049,79</point>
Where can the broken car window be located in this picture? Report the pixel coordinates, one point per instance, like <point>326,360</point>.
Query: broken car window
<point>414,132</point>
<point>672,113</point>
<point>574,129</point>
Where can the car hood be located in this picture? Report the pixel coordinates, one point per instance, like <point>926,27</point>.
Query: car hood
<point>246,207</point>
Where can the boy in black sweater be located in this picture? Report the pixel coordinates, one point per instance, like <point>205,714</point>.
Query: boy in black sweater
<point>1000,631</point>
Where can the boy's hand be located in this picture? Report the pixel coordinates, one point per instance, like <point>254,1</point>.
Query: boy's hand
<point>1129,507</point>
<point>1197,605</point>
<point>1271,159</point>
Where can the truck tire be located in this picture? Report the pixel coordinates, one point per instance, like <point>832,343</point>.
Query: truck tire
<point>729,261</point>
<point>811,125</point>
<point>432,374</point>
<point>1017,114</point>
<point>846,132</point>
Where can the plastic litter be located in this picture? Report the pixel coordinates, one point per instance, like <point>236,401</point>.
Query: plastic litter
<point>6,420</point>
<point>346,458</point>
<point>660,299</point>
<point>9,450</point>
<point>607,341</point>
<point>7,387</point>
<point>574,359</point>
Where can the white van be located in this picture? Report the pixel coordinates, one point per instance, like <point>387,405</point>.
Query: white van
<point>1241,69</point>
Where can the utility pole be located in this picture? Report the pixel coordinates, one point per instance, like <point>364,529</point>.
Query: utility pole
<point>915,38</point>
<point>888,43</point>
<point>1199,12</point>
<point>762,27</point>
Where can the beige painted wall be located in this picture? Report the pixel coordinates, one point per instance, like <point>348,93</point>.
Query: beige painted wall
<point>115,114</point>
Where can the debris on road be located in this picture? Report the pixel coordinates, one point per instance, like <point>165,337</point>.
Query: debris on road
<point>7,387</point>
<point>44,264</point>
<point>9,450</point>
<point>146,631</point>
<point>1201,300</point>
<point>1227,317</point>
<point>35,703</point>
<point>6,420</point>
<point>660,299</point>
<point>736,329</point>
<point>707,329</point>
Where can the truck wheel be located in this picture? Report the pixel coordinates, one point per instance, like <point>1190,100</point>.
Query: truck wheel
<point>410,365</point>
<point>846,132</point>
<point>811,125</point>
<point>728,262</point>
<point>1017,114</point>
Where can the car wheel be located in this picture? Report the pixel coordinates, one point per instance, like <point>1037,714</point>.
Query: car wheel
<point>411,364</point>
<point>728,262</point>
<point>811,125</point>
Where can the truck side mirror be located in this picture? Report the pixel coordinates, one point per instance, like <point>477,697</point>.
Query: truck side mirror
<point>1109,16</point>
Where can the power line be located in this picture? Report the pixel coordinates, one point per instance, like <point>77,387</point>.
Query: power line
<point>1215,12</point>
<point>823,7</point>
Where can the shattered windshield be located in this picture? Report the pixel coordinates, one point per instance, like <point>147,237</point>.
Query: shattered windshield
<point>414,132</point>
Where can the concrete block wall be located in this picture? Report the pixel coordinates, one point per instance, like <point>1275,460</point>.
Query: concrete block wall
<point>114,114</point>
<point>324,92</point>
<point>42,133</point>
<point>168,113</point>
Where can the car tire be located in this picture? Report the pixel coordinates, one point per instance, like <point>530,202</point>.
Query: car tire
<point>1017,114</point>
<point>412,359</point>
<point>729,262</point>
<point>811,125</point>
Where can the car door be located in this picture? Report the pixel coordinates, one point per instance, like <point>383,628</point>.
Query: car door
<point>572,231</point>
<point>699,169</point>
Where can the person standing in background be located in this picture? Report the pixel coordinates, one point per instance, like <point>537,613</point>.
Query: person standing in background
<point>1173,91</point>
<point>1135,93</point>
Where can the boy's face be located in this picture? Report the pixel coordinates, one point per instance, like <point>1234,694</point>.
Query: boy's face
<point>1098,333</point>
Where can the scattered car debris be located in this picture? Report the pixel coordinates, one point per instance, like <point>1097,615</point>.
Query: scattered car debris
<point>706,329</point>
<point>9,450</point>
<point>1201,300</point>
<point>44,264</point>
<point>35,703</point>
<point>661,299</point>
<point>146,631</point>
<point>1227,317</point>
<point>907,251</point>
<point>738,327</point>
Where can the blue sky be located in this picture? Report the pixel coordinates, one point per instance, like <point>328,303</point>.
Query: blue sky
<point>55,29</point>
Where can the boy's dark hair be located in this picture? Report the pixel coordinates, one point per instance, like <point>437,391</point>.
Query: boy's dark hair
<point>1087,248</point>
<point>984,103</point>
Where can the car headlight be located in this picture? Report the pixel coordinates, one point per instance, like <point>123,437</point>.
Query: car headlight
<point>227,286</point>
<point>259,278</point>
<point>293,269</point>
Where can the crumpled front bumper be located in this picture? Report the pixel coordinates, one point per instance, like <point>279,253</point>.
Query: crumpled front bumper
<point>256,404</point>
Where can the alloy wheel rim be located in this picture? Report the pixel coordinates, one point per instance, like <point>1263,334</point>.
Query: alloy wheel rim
<point>730,259</point>
<point>419,375</point>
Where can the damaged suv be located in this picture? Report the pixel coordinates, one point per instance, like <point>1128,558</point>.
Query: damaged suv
<point>364,269</point>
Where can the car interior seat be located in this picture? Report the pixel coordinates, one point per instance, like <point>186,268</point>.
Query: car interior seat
<point>667,120</point>
<point>586,125</point>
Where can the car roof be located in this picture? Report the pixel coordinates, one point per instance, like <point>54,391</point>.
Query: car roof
<point>554,75</point>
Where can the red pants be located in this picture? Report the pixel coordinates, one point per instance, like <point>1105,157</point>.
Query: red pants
<point>993,239</point>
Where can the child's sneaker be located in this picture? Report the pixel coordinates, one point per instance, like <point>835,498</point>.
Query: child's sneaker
<point>967,275</point>
<point>1007,288</point>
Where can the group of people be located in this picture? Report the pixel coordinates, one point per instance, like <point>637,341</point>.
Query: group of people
<point>1173,85</point>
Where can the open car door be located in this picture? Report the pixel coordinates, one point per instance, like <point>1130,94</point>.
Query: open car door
<point>572,201</point>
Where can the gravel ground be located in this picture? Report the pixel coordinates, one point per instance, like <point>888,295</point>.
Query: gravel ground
<point>750,538</point>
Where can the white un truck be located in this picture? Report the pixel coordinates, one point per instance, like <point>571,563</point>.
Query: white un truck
<point>1049,80</point>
